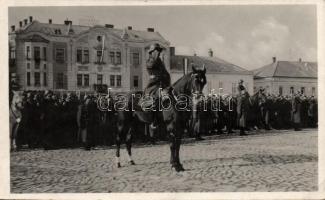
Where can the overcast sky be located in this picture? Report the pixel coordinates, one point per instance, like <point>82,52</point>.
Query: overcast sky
<point>248,36</point>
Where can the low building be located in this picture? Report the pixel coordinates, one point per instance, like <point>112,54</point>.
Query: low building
<point>220,73</point>
<point>287,77</point>
<point>68,57</point>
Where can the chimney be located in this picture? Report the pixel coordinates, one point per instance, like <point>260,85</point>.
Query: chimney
<point>109,25</point>
<point>300,60</point>
<point>210,53</point>
<point>150,29</point>
<point>172,51</point>
<point>185,69</point>
<point>129,27</point>
<point>12,28</point>
<point>30,19</point>
<point>274,59</point>
<point>67,22</point>
<point>20,24</point>
<point>50,21</point>
<point>25,21</point>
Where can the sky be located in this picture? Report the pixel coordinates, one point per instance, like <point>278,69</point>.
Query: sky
<point>245,35</point>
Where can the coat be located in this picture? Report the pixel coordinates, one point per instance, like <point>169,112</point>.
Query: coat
<point>296,110</point>
<point>159,76</point>
<point>242,109</point>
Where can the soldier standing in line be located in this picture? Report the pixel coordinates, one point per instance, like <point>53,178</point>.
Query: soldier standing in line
<point>242,107</point>
<point>296,112</point>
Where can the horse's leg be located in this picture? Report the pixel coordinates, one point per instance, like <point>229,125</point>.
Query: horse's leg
<point>172,146</point>
<point>118,145</point>
<point>128,142</point>
<point>178,141</point>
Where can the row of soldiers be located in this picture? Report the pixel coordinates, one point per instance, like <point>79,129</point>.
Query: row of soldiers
<point>53,120</point>
<point>273,112</point>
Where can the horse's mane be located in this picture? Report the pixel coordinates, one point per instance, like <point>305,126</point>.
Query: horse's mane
<point>182,82</point>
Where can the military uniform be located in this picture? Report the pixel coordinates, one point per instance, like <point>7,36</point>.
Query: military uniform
<point>158,76</point>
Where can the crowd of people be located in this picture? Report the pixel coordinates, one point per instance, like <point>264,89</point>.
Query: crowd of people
<point>53,120</point>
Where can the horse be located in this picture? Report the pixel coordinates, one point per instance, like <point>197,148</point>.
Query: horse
<point>15,116</point>
<point>173,119</point>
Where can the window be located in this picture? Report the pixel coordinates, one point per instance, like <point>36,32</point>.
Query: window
<point>59,82</point>
<point>112,80</point>
<point>79,55</point>
<point>44,79</point>
<point>136,59</point>
<point>59,55</point>
<point>135,81</point>
<point>280,90</point>
<point>86,56</point>
<point>99,38</point>
<point>234,88</point>
<point>86,80</point>
<point>28,52</point>
<point>28,78</point>
<point>99,79</point>
<point>220,84</point>
<point>292,90</point>
<point>28,65</point>
<point>37,64</point>
<point>118,80</point>
<point>111,57</point>
<point>37,54</point>
<point>99,56</point>
<point>37,79</point>
<point>118,58</point>
<point>79,80</point>
<point>313,91</point>
<point>12,53</point>
<point>44,66</point>
<point>44,53</point>
<point>302,90</point>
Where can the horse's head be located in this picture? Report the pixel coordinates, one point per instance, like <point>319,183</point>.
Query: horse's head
<point>198,80</point>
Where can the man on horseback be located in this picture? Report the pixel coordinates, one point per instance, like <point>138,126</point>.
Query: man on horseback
<point>158,77</point>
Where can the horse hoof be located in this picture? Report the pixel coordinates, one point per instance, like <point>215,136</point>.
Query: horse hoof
<point>119,165</point>
<point>181,167</point>
<point>176,168</point>
<point>132,162</point>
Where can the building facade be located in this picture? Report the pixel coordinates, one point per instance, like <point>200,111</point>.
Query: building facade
<point>67,57</point>
<point>222,76</point>
<point>287,77</point>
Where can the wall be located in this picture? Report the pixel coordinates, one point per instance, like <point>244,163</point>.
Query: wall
<point>226,81</point>
<point>273,85</point>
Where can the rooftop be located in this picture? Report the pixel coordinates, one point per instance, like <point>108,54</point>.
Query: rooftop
<point>294,69</point>
<point>212,64</point>
<point>66,30</point>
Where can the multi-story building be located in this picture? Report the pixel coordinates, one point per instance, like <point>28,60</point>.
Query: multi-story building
<point>81,58</point>
<point>222,76</point>
<point>287,77</point>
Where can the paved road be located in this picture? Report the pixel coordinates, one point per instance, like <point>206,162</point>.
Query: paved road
<point>274,161</point>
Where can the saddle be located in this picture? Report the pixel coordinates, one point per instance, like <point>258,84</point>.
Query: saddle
<point>148,106</point>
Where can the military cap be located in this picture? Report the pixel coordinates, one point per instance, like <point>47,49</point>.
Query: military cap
<point>155,46</point>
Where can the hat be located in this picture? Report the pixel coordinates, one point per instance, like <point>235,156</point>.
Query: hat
<point>241,87</point>
<point>155,46</point>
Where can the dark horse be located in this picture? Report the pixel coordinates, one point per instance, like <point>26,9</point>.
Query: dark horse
<point>173,119</point>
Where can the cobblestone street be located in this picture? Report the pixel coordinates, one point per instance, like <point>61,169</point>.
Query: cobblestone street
<point>263,161</point>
